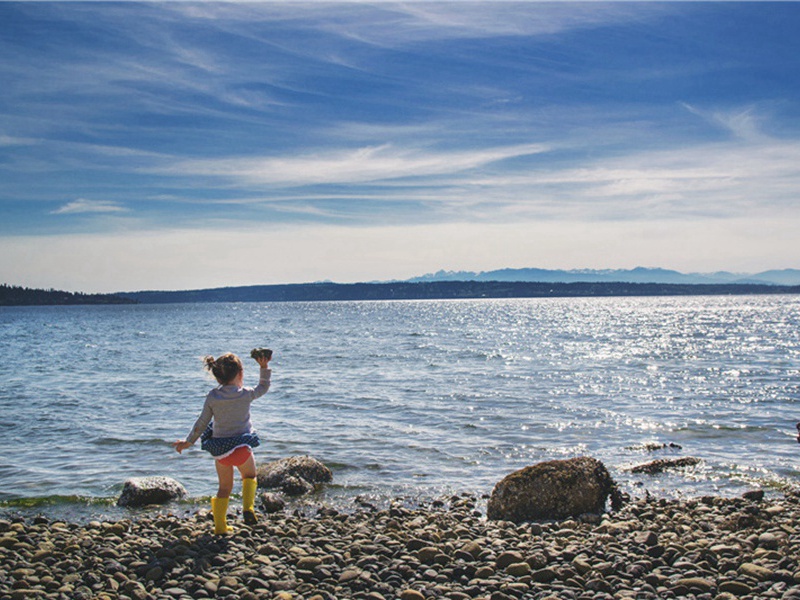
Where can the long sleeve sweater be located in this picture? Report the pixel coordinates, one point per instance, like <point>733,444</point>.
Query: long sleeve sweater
<point>229,406</point>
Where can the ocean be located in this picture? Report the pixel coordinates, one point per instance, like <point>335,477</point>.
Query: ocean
<point>404,399</point>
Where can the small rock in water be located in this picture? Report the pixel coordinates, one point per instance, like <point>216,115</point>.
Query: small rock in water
<point>296,475</point>
<point>662,464</point>
<point>141,491</point>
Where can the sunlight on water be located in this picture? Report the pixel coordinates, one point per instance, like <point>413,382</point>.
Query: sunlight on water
<point>411,397</point>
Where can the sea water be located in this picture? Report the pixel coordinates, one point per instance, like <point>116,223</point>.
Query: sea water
<point>414,399</point>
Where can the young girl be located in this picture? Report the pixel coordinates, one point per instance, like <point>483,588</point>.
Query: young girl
<point>230,438</point>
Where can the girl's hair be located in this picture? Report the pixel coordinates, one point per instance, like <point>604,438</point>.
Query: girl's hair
<point>225,368</point>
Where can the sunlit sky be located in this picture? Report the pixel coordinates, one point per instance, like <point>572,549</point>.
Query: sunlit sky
<point>178,145</point>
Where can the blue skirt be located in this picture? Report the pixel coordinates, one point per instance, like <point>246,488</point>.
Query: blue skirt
<point>222,446</point>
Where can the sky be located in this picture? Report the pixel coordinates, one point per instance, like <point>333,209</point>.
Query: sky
<point>181,145</point>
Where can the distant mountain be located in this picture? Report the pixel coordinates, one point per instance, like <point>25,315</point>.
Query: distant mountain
<point>637,275</point>
<point>430,290</point>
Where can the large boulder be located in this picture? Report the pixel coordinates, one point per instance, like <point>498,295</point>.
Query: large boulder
<point>294,476</point>
<point>556,489</point>
<point>141,491</point>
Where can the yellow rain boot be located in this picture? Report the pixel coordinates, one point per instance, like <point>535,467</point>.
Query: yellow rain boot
<point>249,487</point>
<point>219,508</point>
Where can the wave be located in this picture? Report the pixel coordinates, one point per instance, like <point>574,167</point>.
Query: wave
<point>114,441</point>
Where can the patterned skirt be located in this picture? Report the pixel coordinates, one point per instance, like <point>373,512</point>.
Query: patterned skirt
<point>223,446</point>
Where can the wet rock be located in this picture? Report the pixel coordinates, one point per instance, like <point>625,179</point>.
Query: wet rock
<point>272,503</point>
<point>295,476</point>
<point>142,491</point>
<point>552,490</point>
<point>663,464</point>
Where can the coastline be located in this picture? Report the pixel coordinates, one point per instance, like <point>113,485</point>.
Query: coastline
<point>703,548</point>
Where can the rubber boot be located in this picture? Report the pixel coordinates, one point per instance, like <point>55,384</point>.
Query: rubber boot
<point>219,508</point>
<point>248,501</point>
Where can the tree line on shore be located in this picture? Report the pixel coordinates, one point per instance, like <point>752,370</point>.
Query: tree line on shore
<point>438,290</point>
<point>11,295</point>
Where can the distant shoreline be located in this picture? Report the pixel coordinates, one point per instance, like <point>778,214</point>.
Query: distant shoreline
<point>447,290</point>
<point>405,290</point>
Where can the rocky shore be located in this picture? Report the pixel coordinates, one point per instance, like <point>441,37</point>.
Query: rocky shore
<point>705,549</point>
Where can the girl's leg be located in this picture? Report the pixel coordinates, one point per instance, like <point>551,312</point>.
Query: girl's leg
<point>249,486</point>
<point>225,476</point>
<point>248,468</point>
<point>219,504</point>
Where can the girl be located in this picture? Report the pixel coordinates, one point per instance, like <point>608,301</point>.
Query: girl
<point>230,438</point>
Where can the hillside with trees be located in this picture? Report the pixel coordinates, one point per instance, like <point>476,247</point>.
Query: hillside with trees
<point>21,296</point>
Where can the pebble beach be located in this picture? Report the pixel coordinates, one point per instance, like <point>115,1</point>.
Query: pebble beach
<point>708,548</point>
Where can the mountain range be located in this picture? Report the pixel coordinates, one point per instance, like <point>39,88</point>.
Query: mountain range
<point>637,275</point>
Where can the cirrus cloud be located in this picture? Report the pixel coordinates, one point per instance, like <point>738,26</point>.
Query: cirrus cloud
<point>82,205</point>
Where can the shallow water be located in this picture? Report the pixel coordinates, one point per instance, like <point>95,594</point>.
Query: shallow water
<point>412,399</point>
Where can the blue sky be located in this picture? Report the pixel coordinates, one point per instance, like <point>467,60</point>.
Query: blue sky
<point>181,145</point>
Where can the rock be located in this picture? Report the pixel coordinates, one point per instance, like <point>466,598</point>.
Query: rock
<point>552,490</point>
<point>296,475</point>
<point>272,503</point>
<point>661,465</point>
<point>768,540</point>
<point>735,588</point>
<point>518,569</point>
<point>296,486</point>
<point>141,491</point>
<point>754,495</point>
<point>696,583</point>
<point>756,571</point>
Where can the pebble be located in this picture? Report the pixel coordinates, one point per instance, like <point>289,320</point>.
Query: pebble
<point>697,549</point>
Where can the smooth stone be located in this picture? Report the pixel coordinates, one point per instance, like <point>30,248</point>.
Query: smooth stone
<point>736,588</point>
<point>756,571</point>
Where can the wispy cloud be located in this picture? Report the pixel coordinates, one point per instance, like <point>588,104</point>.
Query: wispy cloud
<point>82,205</point>
<point>360,165</point>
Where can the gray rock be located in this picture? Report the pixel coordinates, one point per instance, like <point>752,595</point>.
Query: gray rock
<point>141,491</point>
<point>296,486</point>
<point>272,503</point>
<point>555,489</point>
<point>296,475</point>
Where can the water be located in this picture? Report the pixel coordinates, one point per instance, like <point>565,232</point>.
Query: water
<point>413,399</point>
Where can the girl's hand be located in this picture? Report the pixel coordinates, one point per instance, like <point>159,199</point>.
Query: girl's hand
<point>180,445</point>
<point>263,361</point>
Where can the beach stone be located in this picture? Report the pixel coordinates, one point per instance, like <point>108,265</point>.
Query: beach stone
<point>768,540</point>
<point>142,491</point>
<point>296,475</point>
<point>754,495</point>
<point>695,583</point>
<point>736,588</point>
<point>554,489</point>
<point>508,558</point>
<point>518,569</point>
<point>756,571</point>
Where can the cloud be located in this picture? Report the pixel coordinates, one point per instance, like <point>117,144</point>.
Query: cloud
<point>82,205</point>
<point>7,140</point>
<point>744,123</point>
<point>360,165</point>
